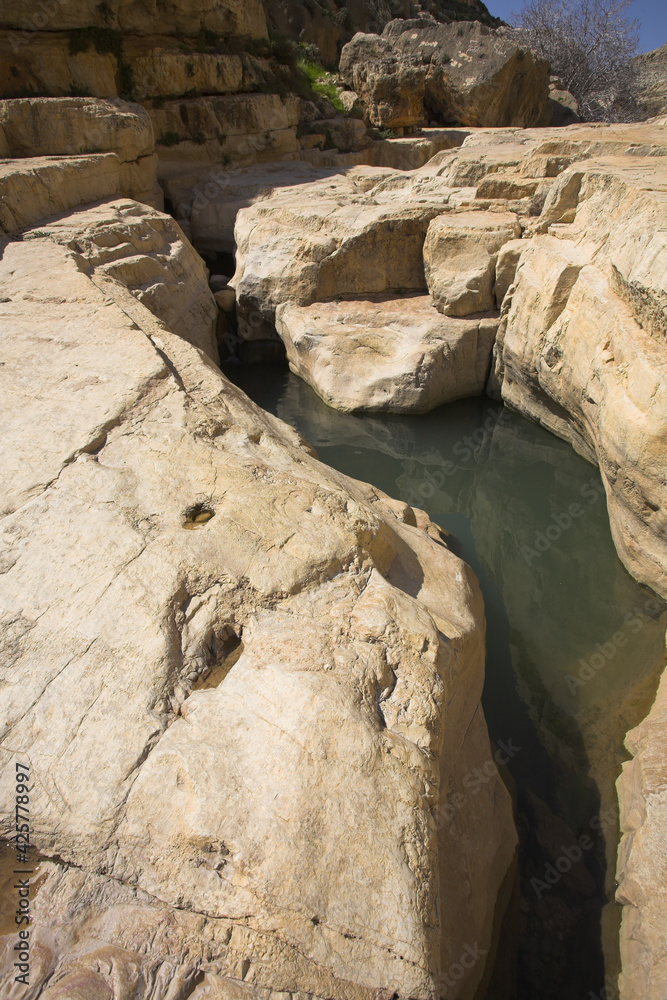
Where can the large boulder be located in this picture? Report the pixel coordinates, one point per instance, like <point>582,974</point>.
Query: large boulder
<point>474,75</point>
<point>291,249</point>
<point>396,354</point>
<point>460,256</point>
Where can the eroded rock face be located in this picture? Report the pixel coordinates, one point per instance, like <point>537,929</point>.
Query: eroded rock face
<point>391,90</point>
<point>464,73</point>
<point>264,692</point>
<point>396,354</point>
<point>642,876</point>
<point>224,17</point>
<point>651,70</point>
<point>32,130</point>
<point>476,75</point>
<point>582,346</point>
<point>460,256</point>
<point>43,186</point>
<point>69,126</point>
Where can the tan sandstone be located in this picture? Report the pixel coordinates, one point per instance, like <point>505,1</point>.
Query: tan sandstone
<point>263,692</point>
<point>397,354</point>
<point>34,130</point>
<point>460,256</point>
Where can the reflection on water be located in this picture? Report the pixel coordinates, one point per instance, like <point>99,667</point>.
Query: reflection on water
<point>575,648</point>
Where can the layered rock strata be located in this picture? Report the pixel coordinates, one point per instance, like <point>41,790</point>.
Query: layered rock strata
<point>651,79</point>
<point>110,143</point>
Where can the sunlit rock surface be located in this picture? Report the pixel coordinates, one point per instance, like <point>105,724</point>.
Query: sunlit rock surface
<point>271,652</point>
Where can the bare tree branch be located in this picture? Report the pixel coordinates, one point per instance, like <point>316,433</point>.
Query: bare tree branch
<point>590,45</point>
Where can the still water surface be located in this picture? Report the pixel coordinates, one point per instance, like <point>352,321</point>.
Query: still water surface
<point>575,649</point>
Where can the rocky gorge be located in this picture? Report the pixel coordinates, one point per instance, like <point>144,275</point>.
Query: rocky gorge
<point>247,686</point>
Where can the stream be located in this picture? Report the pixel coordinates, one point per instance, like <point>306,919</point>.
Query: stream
<point>575,649</point>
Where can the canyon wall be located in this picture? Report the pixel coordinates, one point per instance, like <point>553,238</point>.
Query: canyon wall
<point>556,241</point>
<point>233,823</point>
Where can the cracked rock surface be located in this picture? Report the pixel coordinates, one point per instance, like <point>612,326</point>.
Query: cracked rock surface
<point>245,683</point>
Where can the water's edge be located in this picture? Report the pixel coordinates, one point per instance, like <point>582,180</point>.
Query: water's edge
<point>575,650</point>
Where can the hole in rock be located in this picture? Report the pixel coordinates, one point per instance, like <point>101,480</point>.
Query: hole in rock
<point>197,516</point>
<point>223,657</point>
<point>219,261</point>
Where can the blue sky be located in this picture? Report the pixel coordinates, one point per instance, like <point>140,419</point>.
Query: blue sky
<point>651,13</point>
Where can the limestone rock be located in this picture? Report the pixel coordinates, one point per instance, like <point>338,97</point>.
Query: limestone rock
<point>74,125</point>
<point>43,186</point>
<point>475,75</point>
<point>35,128</point>
<point>362,48</point>
<point>572,355</point>
<point>390,87</point>
<point>42,62</point>
<point>651,70</point>
<point>642,879</point>
<point>392,354</point>
<point>146,252</point>
<point>263,693</point>
<point>350,101</point>
<point>243,128</point>
<point>460,256</point>
<point>562,106</point>
<point>506,265</point>
<point>303,250</point>
<point>175,17</point>
<point>161,69</point>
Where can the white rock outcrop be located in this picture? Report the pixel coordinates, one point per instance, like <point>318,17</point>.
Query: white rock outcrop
<point>285,665</point>
<point>396,354</point>
<point>460,256</point>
